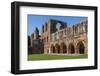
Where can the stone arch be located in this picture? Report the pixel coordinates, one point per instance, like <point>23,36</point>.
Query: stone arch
<point>71,48</point>
<point>80,47</point>
<point>57,48</point>
<point>53,49</point>
<point>63,48</point>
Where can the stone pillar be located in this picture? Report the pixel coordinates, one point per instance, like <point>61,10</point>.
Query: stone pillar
<point>76,51</point>
<point>86,50</point>
<point>68,50</point>
<point>49,50</point>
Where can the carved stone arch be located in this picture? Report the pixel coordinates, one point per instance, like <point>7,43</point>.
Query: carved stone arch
<point>53,49</point>
<point>83,41</point>
<point>81,47</point>
<point>63,47</point>
<point>71,48</point>
<point>57,48</point>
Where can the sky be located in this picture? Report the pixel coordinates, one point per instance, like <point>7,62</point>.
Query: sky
<point>38,20</point>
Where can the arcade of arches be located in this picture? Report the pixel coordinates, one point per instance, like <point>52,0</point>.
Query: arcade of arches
<point>57,37</point>
<point>70,49</point>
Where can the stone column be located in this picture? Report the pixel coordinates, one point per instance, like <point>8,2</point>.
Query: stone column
<point>49,51</point>
<point>86,50</point>
<point>68,50</point>
<point>76,51</point>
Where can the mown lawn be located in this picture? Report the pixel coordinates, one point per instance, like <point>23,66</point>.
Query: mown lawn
<point>54,57</point>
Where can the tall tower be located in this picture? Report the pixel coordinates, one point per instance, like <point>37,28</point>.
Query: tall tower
<point>36,42</point>
<point>47,29</point>
<point>36,33</point>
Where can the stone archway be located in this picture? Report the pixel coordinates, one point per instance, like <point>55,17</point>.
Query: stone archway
<point>81,47</point>
<point>57,48</point>
<point>53,49</point>
<point>71,48</point>
<point>63,48</point>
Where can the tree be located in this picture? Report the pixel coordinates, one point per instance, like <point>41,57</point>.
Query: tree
<point>29,45</point>
<point>29,41</point>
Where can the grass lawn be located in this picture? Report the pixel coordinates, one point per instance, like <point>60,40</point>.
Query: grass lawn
<point>54,57</point>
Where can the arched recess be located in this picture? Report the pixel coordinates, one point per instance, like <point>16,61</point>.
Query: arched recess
<point>63,48</point>
<point>57,48</point>
<point>81,47</point>
<point>71,48</point>
<point>53,49</point>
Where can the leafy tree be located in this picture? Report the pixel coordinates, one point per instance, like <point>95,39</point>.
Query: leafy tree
<point>29,45</point>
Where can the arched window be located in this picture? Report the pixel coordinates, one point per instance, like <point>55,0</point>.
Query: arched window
<point>47,39</point>
<point>58,25</point>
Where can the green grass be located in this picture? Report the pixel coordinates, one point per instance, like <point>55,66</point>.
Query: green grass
<point>35,57</point>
